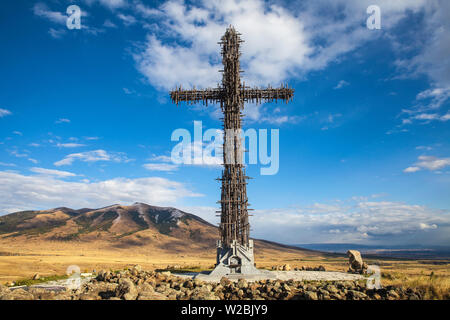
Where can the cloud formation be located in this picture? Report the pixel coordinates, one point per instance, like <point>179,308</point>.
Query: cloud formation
<point>281,42</point>
<point>92,156</point>
<point>160,167</point>
<point>4,112</point>
<point>360,220</point>
<point>110,4</point>
<point>62,120</point>
<point>47,190</point>
<point>51,172</point>
<point>354,222</point>
<point>70,145</point>
<point>40,9</point>
<point>428,163</point>
<point>275,43</point>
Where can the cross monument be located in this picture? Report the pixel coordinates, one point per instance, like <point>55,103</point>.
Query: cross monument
<point>234,247</point>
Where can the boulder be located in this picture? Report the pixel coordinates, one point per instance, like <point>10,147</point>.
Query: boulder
<point>311,295</point>
<point>356,263</point>
<point>242,284</point>
<point>126,289</point>
<point>103,275</point>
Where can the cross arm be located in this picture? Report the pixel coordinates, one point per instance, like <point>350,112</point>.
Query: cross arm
<point>211,95</point>
<point>267,95</point>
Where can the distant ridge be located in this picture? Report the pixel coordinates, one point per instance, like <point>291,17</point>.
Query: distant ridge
<point>408,251</point>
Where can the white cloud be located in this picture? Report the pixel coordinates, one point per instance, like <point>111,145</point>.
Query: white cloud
<point>92,156</point>
<point>411,169</point>
<point>433,57</point>
<point>350,222</point>
<point>160,166</point>
<point>62,120</point>
<point>446,117</point>
<point>279,120</point>
<point>127,19</point>
<point>439,95</point>
<point>21,192</point>
<point>202,154</point>
<point>18,133</point>
<point>4,112</point>
<point>427,106</point>
<point>280,43</point>
<point>428,148</point>
<point>40,9</point>
<point>17,153</point>
<point>56,33</point>
<point>432,116</point>
<point>341,84</point>
<point>144,10</point>
<point>425,226</point>
<point>264,114</point>
<point>4,164</point>
<point>433,163</point>
<point>110,4</point>
<point>429,163</point>
<point>70,145</point>
<point>275,43</point>
<point>109,24</point>
<point>355,221</point>
<point>51,172</point>
<point>161,158</point>
<point>428,55</point>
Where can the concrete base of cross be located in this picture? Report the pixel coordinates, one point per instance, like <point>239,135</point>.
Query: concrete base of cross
<point>235,262</point>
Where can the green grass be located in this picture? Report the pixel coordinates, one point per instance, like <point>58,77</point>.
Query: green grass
<point>185,269</point>
<point>29,282</point>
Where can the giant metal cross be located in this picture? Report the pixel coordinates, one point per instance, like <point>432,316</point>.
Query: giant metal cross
<point>231,95</point>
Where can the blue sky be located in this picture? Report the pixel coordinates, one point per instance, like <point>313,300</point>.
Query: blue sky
<point>86,120</point>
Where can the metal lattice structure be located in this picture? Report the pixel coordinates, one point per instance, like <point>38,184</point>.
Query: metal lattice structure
<point>231,95</point>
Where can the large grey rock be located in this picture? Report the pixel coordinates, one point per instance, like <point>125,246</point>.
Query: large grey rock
<point>356,263</point>
<point>126,289</point>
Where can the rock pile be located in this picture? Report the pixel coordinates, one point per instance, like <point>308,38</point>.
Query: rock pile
<point>135,283</point>
<point>287,267</point>
<point>284,267</point>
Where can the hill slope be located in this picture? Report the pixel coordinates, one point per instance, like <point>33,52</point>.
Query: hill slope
<point>116,226</point>
<point>48,241</point>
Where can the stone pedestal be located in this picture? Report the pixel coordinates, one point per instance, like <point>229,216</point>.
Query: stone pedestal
<point>234,260</point>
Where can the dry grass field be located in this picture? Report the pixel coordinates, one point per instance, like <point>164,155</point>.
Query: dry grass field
<point>116,237</point>
<point>48,258</point>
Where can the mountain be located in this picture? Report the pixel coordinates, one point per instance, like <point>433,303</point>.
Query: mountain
<point>116,223</point>
<point>164,229</point>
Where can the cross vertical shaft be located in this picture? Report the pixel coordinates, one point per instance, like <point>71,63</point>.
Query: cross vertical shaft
<point>234,215</point>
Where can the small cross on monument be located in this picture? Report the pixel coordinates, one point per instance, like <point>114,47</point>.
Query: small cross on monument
<point>234,249</point>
